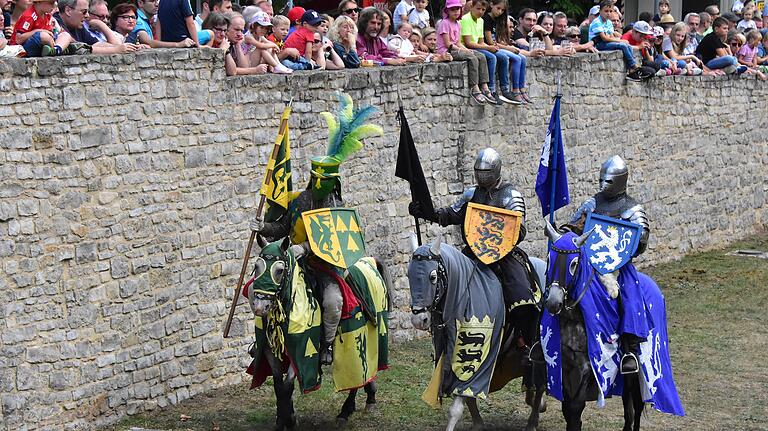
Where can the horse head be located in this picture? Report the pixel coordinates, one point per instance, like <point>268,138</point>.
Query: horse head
<point>272,272</point>
<point>424,279</point>
<point>562,266</point>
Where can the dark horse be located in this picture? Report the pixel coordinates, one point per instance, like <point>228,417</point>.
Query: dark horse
<point>448,292</point>
<point>568,271</point>
<point>287,315</point>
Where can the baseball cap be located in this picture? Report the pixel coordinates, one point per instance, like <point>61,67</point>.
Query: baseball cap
<point>658,31</point>
<point>595,10</point>
<point>642,27</point>
<point>296,13</point>
<point>311,17</point>
<point>261,18</point>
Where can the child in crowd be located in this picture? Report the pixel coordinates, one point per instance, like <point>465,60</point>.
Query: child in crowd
<point>402,11</point>
<point>38,32</point>
<point>747,55</point>
<point>674,48</point>
<point>401,43</point>
<point>664,9</point>
<point>289,57</point>
<point>508,57</point>
<point>261,50</point>
<point>601,33</point>
<point>343,34</point>
<point>419,16</point>
<point>655,53</point>
<point>449,40</point>
<point>762,49</point>
<point>430,42</point>
<point>473,38</point>
<point>714,52</point>
<point>235,62</point>
<point>747,22</point>
<point>302,38</point>
<point>294,16</point>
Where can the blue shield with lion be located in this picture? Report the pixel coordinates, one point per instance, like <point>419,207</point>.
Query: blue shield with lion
<point>612,243</point>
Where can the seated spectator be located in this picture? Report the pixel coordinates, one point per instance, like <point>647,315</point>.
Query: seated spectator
<point>419,16</point>
<point>303,37</point>
<point>387,29</point>
<point>34,31</point>
<point>401,44</point>
<point>449,41</point>
<point>526,22</point>
<point>664,9</point>
<point>294,15</point>
<point>323,55</point>
<point>618,24</point>
<point>98,10</point>
<point>732,20</point>
<point>418,43</point>
<point>584,26</point>
<point>473,37</point>
<point>660,60</point>
<point>705,25</point>
<point>142,32</point>
<point>511,60</point>
<point>289,57</point>
<point>175,21</point>
<point>573,35</point>
<point>639,34</point>
<point>123,20</point>
<point>713,11</point>
<point>350,9</point>
<point>402,12</point>
<point>369,45</point>
<point>649,54</point>
<point>214,30</point>
<point>601,33</point>
<point>343,34</point>
<point>430,41</point>
<point>714,52</point>
<point>746,23</point>
<point>675,47</point>
<point>72,15</point>
<point>235,62</point>
<point>762,49</point>
<point>747,55</point>
<point>692,20</point>
<point>262,51</point>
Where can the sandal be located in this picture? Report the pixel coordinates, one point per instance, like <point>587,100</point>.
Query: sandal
<point>478,96</point>
<point>525,97</point>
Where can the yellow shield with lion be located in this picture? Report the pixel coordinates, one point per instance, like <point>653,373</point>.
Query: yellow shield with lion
<point>491,232</point>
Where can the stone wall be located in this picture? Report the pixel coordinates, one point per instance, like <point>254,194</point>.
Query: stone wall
<point>127,183</point>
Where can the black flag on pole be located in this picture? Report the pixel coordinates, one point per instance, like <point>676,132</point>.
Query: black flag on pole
<point>409,166</point>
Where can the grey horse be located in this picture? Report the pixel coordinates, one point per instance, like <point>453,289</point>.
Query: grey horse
<point>448,287</point>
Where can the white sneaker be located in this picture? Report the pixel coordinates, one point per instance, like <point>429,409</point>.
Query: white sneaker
<point>282,70</point>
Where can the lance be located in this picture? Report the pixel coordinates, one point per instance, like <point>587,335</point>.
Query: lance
<point>259,211</point>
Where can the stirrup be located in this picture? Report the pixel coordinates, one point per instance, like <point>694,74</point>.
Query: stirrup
<point>626,364</point>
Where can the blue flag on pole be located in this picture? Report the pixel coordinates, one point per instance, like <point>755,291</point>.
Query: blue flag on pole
<point>552,179</point>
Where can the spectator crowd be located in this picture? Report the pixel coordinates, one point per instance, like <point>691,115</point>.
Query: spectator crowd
<point>494,43</point>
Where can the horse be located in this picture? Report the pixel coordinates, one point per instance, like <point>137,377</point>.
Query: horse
<point>569,271</point>
<point>288,330</point>
<point>460,301</point>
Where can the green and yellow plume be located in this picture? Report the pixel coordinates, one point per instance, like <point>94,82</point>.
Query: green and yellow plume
<point>345,135</point>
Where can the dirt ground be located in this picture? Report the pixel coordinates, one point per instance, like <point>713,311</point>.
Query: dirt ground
<point>718,339</point>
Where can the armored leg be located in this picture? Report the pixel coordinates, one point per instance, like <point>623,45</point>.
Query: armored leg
<point>332,302</point>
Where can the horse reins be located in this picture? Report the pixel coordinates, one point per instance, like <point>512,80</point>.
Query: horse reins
<point>561,267</point>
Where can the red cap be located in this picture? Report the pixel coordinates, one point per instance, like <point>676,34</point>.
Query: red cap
<point>296,13</point>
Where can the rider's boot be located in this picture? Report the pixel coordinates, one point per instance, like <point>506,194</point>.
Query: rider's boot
<point>630,362</point>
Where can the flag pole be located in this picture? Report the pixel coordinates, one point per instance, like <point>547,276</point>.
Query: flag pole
<point>553,158</point>
<point>259,211</point>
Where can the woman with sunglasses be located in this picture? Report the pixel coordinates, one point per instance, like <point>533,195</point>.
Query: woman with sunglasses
<point>349,8</point>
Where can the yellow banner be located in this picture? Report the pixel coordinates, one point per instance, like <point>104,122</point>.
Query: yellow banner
<point>491,232</point>
<point>277,184</point>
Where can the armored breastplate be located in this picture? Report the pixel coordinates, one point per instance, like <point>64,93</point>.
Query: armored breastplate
<point>615,208</point>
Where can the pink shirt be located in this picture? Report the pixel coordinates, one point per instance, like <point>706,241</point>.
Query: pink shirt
<point>452,29</point>
<point>747,53</point>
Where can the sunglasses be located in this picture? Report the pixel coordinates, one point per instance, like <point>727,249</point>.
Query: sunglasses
<point>353,10</point>
<point>317,41</point>
<point>736,44</point>
<point>573,36</point>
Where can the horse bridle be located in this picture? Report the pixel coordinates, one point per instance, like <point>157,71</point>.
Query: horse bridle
<point>283,283</point>
<point>441,286</point>
<point>561,266</point>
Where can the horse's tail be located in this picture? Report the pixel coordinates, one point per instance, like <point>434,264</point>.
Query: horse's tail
<point>387,277</point>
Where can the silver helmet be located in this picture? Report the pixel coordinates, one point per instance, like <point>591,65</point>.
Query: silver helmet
<point>487,168</point>
<point>613,177</point>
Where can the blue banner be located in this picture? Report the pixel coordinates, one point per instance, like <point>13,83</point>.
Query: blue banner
<point>552,178</point>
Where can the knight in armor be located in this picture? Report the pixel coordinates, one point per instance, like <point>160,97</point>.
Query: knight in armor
<point>513,270</point>
<point>613,201</point>
<point>323,191</point>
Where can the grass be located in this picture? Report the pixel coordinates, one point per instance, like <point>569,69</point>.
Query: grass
<point>718,336</point>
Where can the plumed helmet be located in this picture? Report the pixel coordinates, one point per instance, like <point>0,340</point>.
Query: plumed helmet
<point>487,168</point>
<point>613,177</point>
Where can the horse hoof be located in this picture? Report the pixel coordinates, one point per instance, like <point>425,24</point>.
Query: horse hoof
<point>369,408</point>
